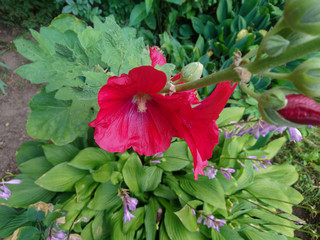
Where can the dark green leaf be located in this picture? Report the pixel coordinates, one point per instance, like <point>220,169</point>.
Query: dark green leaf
<point>35,167</point>
<point>59,154</point>
<point>138,14</point>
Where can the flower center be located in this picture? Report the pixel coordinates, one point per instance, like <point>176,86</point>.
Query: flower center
<point>141,100</point>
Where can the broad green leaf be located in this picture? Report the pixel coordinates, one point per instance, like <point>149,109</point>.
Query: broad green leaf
<point>285,173</point>
<point>153,176</point>
<point>138,14</point>
<point>230,114</point>
<point>257,235</point>
<point>104,173</point>
<point>99,227</point>
<point>151,21</point>
<point>148,4</point>
<point>91,158</point>
<point>216,235</point>
<point>238,24</point>
<point>176,157</point>
<point>50,119</point>
<point>65,22</point>
<point>134,174</point>
<point>13,224</point>
<point>275,194</point>
<point>29,150</point>
<point>135,222</point>
<point>197,25</point>
<point>26,193</point>
<point>116,226</point>
<point>246,175</point>
<point>164,192</point>
<point>29,50</point>
<point>224,10</point>
<point>229,233</point>
<point>84,187</point>
<point>105,197</point>
<point>6,215</point>
<point>167,68</point>
<point>274,146</point>
<point>35,167</point>
<point>86,233</point>
<point>208,190</point>
<point>187,218</point>
<point>60,178</point>
<point>150,218</point>
<point>59,154</point>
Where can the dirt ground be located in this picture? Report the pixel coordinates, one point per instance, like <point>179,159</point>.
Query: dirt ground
<point>13,106</point>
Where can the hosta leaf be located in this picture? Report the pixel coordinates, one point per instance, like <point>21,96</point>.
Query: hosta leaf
<point>187,218</point>
<point>59,154</point>
<point>35,167</point>
<point>13,224</point>
<point>51,119</point>
<point>135,222</point>
<point>91,158</point>
<point>29,150</point>
<point>26,193</point>
<point>105,197</point>
<point>150,218</point>
<point>61,178</point>
<point>229,115</point>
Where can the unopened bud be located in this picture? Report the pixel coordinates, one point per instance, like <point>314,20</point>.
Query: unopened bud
<point>303,16</point>
<point>272,101</point>
<point>275,45</point>
<point>306,78</point>
<point>191,72</point>
<point>242,34</point>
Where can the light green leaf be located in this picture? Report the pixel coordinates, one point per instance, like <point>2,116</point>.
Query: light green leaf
<point>105,197</point>
<point>148,4</point>
<point>51,119</point>
<point>91,158</point>
<point>60,178</point>
<point>59,154</point>
<point>104,173</point>
<point>176,157</point>
<point>29,50</point>
<point>257,235</point>
<point>116,228</point>
<point>153,177</point>
<point>65,22</point>
<point>208,190</point>
<point>230,114</point>
<point>150,218</point>
<point>35,167</point>
<point>187,218</point>
<point>84,187</point>
<point>138,14</point>
<point>274,146</point>
<point>26,193</point>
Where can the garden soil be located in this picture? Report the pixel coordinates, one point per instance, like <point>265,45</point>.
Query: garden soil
<point>14,108</point>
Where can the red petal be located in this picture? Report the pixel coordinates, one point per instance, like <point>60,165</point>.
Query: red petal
<point>156,57</point>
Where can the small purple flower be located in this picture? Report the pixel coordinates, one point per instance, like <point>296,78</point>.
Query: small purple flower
<point>241,163</point>
<point>158,155</point>
<point>255,167</point>
<point>127,202</point>
<point>211,172</point>
<point>82,219</point>
<point>59,235</point>
<point>295,134</point>
<point>211,222</point>
<point>5,192</point>
<point>227,172</point>
<point>155,161</point>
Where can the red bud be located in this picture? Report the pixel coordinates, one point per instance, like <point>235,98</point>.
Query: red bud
<point>301,109</point>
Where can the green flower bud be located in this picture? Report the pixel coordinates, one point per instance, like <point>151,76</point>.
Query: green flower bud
<point>306,78</point>
<point>116,177</point>
<point>270,102</point>
<point>275,45</point>
<point>303,16</point>
<point>191,72</point>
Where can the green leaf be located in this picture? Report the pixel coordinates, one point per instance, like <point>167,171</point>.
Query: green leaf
<point>60,178</point>
<point>274,147</point>
<point>246,175</point>
<point>285,173</point>
<point>138,14</point>
<point>86,233</point>
<point>29,50</point>
<point>99,227</point>
<point>275,194</point>
<point>148,4</point>
<point>29,150</point>
<point>229,233</point>
<point>187,218</point>
<point>34,214</point>
<point>51,119</point>
<point>176,157</point>
<point>104,173</point>
<point>13,224</point>
<point>238,24</point>
<point>65,22</point>
<point>230,114</point>
<point>116,228</point>
<point>26,193</point>
<point>153,177</point>
<point>150,218</point>
<point>224,10</point>
<point>257,235</point>
<point>59,154</point>
<point>197,25</point>
<point>134,174</point>
<point>91,158</point>
<point>84,187</point>
<point>35,167</point>
<point>6,215</point>
<point>206,189</point>
<point>151,22</point>
<point>105,197</point>
<point>164,192</point>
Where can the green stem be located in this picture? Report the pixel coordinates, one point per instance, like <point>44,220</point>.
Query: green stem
<point>257,67</point>
<point>275,75</point>
<point>245,89</point>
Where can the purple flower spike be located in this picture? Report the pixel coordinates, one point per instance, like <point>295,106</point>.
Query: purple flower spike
<point>132,203</point>
<point>255,167</point>
<point>295,134</point>
<point>227,172</point>
<point>158,155</point>
<point>127,215</point>
<point>13,181</point>
<point>241,163</point>
<point>127,202</point>
<point>211,222</point>
<point>156,161</point>
<point>211,172</point>
<point>5,193</point>
<point>59,235</point>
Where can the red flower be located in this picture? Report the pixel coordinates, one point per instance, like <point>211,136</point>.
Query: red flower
<point>133,114</point>
<point>301,109</point>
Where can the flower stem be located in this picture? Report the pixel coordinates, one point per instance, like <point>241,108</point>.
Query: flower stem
<point>275,75</point>
<point>259,66</point>
<point>245,89</point>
